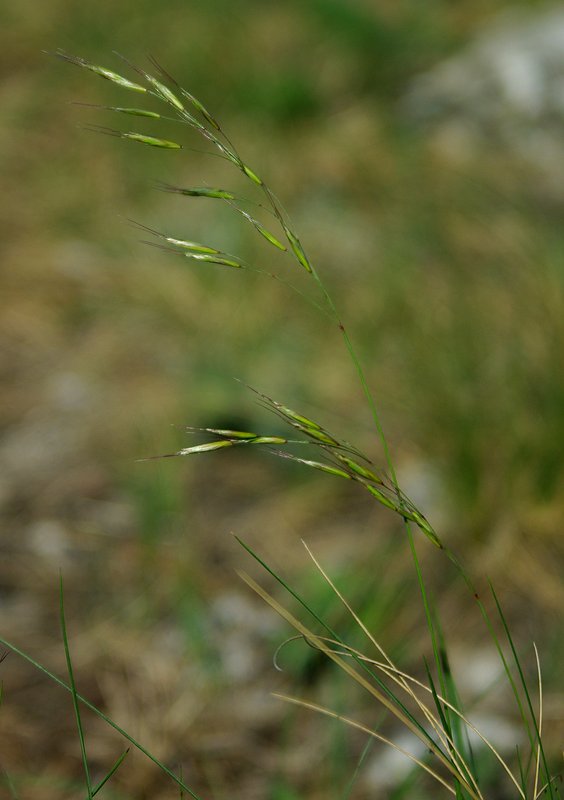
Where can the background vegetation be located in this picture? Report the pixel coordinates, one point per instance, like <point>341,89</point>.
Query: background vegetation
<point>447,266</point>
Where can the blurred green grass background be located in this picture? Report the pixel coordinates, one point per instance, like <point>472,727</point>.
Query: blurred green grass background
<point>448,271</point>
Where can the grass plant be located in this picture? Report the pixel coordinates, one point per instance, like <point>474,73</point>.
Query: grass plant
<point>430,709</point>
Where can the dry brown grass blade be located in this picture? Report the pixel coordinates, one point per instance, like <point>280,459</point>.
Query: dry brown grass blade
<point>401,679</point>
<point>359,726</point>
<point>404,680</point>
<point>536,793</point>
<point>319,643</point>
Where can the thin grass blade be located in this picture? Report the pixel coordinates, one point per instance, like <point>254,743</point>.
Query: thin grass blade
<point>74,692</point>
<point>330,713</point>
<point>112,772</point>
<point>537,733</point>
<point>108,720</point>
<point>362,758</point>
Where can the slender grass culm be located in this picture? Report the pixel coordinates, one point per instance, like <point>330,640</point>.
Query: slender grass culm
<point>431,709</point>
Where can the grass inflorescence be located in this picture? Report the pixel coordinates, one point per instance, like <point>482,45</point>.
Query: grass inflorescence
<point>431,710</point>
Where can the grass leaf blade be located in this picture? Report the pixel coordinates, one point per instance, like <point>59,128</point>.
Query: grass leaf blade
<point>74,692</point>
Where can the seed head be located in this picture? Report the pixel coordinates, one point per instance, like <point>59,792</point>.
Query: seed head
<point>165,93</point>
<point>222,260</point>
<point>206,447</point>
<point>298,249</point>
<point>203,111</point>
<point>260,228</point>
<point>101,71</point>
<point>135,112</point>
<point>340,473</point>
<point>193,246</point>
<point>152,141</point>
<point>358,469</point>
<point>250,174</point>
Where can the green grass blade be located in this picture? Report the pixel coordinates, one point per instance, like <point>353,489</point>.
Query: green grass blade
<point>537,737</point>
<point>112,772</point>
<point>523,771</point>
<point>507,670</point>
<point>108,720</point>
<point>350,785</point>
<point>459,730</point>
<point>73,691</point>
<point>449,721</point>
<point>438,705</point>
<point>11,785</point>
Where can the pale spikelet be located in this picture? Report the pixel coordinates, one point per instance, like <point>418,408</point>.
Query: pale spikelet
<point>184,244</point>
<point>241,437</point>
<point>232,439</point>
<point>340,473</point>
<point>188,245</point>
<point>222,260</point>
<point>152,141</point>
<point>198,448</point>
<point>193,250</point>
<point>101,71</point>
<point>206,447</point>
<point>225,433</point>
<point>269,440</point>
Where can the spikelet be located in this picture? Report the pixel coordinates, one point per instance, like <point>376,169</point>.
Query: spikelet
<point>108,74</point>
<point>152,141</point>
<point>197,191</point>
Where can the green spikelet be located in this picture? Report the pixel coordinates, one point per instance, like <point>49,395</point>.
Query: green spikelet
<point>107,74</point>
<point>298,249</point>
<point>152,141</point>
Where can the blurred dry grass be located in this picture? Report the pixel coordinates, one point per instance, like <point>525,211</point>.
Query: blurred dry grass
<point>454,294</point>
